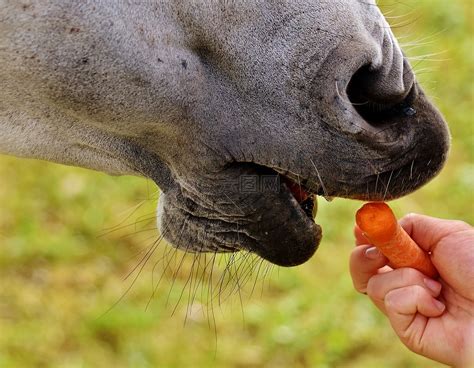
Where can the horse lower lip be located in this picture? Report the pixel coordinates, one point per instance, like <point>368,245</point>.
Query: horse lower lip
<point>310,206</point>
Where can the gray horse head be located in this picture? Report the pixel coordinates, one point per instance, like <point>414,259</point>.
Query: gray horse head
<point>240,111</point>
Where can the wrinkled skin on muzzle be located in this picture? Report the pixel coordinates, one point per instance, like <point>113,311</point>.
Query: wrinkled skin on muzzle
<point>227,106</point>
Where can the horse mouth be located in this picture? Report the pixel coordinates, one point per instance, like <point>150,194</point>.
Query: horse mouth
<point>305,198</point>
<point>303,204</point>
<point>281,223</point>
<point>277,222</point>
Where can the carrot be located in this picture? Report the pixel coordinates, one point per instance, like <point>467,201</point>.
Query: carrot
<point>380,226</point>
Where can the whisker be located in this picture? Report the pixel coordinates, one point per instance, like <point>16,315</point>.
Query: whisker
<point>199,278</point>
<point>122,296</point>
<point>134,210</point>
<point>261,261</point>
<point>376,183</point>
<point>137,232</point>
<point>125,226</point>
<point>320,180</point>
<point>175,273</point>
<point>150,249</point>
<point>388,184</point>
<point>411,169</point>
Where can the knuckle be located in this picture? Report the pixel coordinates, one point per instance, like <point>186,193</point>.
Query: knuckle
<point>410,217</point>
<point>410,294</point>
<point>373,287</point>
<point>410,276</point>
<point>411,338</point>
<point>417,291</point>
<point>354,257</point>
<point>359,287</point>
<point>370,287</point>
<point>461,225</point>
<point>390,299</point>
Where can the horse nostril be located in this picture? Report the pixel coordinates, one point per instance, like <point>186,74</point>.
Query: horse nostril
<point>375,96</point>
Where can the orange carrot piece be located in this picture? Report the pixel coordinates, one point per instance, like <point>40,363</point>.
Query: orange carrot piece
<point>380,226</point>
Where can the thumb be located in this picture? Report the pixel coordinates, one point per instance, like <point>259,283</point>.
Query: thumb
<point>451,245</point>
<point>427,231</point>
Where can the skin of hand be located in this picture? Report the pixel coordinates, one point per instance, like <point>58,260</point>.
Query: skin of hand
<point>433,318</point>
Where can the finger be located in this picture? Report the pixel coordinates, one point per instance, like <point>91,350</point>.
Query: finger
<point>451,244</point>
<point>365,262</point>
<point>428,231</point>
<point>359,236</point>
<point>408,310</point>
<point>381,284</point>
<point>384,269</point>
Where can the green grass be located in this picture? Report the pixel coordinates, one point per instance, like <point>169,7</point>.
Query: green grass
<point>60,279</point>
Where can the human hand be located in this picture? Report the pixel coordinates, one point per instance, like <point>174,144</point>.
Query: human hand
<point>433,318</point>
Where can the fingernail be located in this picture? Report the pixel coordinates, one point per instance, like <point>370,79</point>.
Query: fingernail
<point>433,285</point>
<point>372,253</point>
<point>439,305</point>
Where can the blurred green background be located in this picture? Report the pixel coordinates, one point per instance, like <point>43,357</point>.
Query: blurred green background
<point>69,237</point>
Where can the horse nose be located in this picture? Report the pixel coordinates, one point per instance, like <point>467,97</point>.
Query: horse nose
<point>385,81</point>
